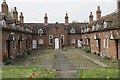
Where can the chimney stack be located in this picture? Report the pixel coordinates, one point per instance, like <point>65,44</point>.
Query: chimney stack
<point>66,19</point>
<point>15,14</point>
<point>4,7</point>
<point>118,7</point>
<point>45,19</point>
<point>90,17</point>
<point>98,13</point>
<point>21,17</point>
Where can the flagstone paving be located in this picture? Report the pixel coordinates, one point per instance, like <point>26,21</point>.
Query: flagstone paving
<point>62,65</point>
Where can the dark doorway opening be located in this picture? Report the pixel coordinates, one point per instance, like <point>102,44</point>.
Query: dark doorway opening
<point>8,49</point>
<point>99,45</point>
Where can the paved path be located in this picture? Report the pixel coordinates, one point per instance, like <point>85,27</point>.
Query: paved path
<point>93,60</point>
<point>64,68</point>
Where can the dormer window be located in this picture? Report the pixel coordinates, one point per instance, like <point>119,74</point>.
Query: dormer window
<point>88,29</point>
<point>93,28</point>
<point>72,31</point>
<point>3,23</point>
<point>40,31</point>
<point>105,24</point>
<point>13,25</point>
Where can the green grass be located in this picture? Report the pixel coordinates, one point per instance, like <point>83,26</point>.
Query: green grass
<point>26,72</point>
<point>98,73</point>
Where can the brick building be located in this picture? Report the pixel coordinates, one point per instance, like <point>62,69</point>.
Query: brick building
<point>16,38</point>
<point>101,35</point>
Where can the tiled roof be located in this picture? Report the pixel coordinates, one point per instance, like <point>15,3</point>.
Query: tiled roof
<point>45,28</point>
<point>111,19</point>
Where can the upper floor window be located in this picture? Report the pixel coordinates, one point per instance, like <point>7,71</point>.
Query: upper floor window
<point>40,31</point>
<point>72,31</point>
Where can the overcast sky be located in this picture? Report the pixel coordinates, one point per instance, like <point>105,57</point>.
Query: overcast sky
<point>78,10</point>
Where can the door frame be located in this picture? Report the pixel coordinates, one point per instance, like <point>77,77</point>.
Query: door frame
<point>58,43</point>
<point>34,47</point>
<point>79,43</point>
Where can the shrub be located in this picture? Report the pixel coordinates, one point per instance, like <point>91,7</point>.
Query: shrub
<point>87,49</point>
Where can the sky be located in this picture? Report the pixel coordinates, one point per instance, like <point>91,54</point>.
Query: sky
<point>78,10</point>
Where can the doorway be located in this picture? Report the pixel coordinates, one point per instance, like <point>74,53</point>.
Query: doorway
<point>57,43</point>
<point>8,49</point>
<point>34,42</point>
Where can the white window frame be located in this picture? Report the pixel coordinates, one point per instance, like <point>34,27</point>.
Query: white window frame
<point>87,42</point>
<point>93,27</point>
<point>40,41</point>
<point>20,44</point>
<point>5,47</point>
<point>96,43</point>
<point>105,24</point>
<point>62,37</point>
<point>4,23</point>
<point>14,44</point>
<point>50,38</point>
<point>106,42</point>
<point>40,31</point>
<point>72,31</point>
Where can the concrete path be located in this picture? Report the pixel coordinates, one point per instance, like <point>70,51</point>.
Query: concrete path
<point>63,67</point>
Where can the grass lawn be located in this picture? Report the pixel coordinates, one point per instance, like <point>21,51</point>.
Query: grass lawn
<point>98,73</point>
<point>26,72</point>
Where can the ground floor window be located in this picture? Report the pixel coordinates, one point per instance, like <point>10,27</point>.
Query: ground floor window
<point>5,47</point>
<point>72,41</point>
<point>105,43</point>
<point>40,41</point>
<point>62,39</point>
<point>50,39</point>
<point>96,42</point>
<point>20,44</point>
<point>14,44</point>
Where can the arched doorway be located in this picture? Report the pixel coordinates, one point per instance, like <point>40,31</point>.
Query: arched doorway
<point>57,45</point>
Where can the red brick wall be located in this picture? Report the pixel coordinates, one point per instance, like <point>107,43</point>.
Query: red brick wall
<point>0,46</point>
<point>111,50</point>
<point>73,36</point>
<point>14,51</point>
<point>57,32</point>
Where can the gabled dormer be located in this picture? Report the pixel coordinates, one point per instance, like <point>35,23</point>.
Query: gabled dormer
<point>93,27</point>
<point>72,31</point>
<point>105,24</point>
